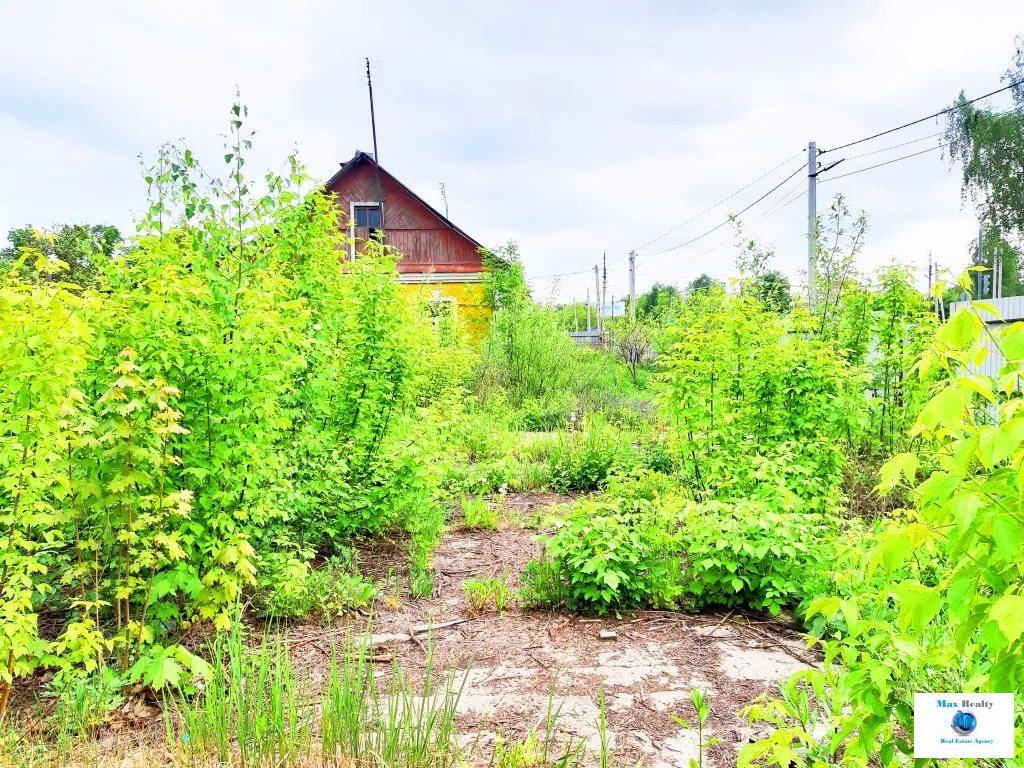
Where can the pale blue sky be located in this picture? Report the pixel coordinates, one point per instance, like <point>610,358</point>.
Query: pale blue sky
<point>575,128</point>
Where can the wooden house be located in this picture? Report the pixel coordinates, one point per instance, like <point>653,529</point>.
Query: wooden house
<point>439,262</point>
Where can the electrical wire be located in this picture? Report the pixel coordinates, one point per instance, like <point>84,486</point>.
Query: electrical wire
<point>558,274</point>
<point>887,162</point>
<point>730,219</point>
<point>895,146</point>
<point>922,119</point>
<point>724,199</point>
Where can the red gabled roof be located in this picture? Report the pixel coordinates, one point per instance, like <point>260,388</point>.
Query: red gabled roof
<point>361,157</point>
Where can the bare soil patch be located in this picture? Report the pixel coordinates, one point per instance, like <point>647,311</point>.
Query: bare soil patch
<point>514,661</point>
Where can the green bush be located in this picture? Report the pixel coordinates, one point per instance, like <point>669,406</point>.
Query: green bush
<point>322,593</point>
<point>541,585</point>
<point>479,513</point>
<point>616,555</point>
<point>749,554</point>
<point>581,461</point>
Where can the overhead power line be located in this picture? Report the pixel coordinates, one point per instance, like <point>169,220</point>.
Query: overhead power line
<point>731,218</point>
<point>887,162</point>
<point>896,146</point>
<point>559,274</point>
<point>922,119</point>
<point>724,199</point>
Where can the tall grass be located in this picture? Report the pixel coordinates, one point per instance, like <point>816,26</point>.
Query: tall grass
<point>267,714</point>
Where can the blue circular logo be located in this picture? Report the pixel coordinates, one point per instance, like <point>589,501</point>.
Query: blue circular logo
<point>964,723</point>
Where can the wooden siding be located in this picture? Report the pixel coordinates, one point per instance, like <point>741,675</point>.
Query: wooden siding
<point>426,241</point>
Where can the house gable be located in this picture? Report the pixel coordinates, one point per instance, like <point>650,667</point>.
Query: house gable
<point>429,242</point>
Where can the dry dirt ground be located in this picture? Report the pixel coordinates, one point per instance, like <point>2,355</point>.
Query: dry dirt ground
<point>512,662</point>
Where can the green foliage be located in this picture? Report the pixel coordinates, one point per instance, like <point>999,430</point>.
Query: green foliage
<point>989,145</point>
<point>505,285</point>
<point>746,393</point>
<point>228,390</point>
<point>929,599</point>
<point>479,513</point>
<point>658,303</point>
<point>74,250</point>
<point>703,284</point>
<point>751,555</point>
<point>613,554</point>
<point>295,590</point>
<point>582,460</point>
<point>258,712</point>
<point>701,708</point>
<point>995,249</point>
<point>490,591</point>
<point>531,360</point>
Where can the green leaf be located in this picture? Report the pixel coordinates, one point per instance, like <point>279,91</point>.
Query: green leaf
<point>1012,342</point>
<point>1008,614</point>
<point>959,331</point>
<point>946,409</point>
<point>918,605</point>
<point>1008,535</point>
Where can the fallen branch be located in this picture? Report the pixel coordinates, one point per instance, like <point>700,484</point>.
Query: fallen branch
<point>719,624</point>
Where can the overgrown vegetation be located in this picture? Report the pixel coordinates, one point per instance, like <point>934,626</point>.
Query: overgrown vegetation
<point>204,426</point>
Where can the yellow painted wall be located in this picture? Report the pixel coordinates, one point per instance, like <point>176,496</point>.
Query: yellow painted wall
<point>470,302</point>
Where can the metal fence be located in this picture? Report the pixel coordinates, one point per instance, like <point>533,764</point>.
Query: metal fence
<point>1011,309</point>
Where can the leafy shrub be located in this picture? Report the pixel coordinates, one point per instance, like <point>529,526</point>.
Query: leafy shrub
<point>741,384</point>
<point>749,554</point>
<point>541,585</point>
<point>226,390</point>
<point>640,483</point>
<point>479,513</point>
<point>322,593</point>
<point>581,461</point>
<point>616,554</point>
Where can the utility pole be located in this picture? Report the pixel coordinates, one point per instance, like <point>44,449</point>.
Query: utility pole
<point>929,272</point>
<point>575,317</point>
<point>981,263</point>
<point>600,309</point>
<point>376,156</point>
<point>604,289</point>
<point>812,214</point>
<point>588,313</point>
<point>632,285</point>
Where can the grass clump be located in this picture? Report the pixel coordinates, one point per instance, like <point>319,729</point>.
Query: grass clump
<point>482,593</point>
<point>479,513</point>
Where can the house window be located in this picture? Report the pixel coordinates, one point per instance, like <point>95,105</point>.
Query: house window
<point>368,216</point>
<point>442,313</point>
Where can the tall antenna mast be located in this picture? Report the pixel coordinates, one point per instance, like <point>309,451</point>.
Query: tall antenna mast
<point>445,198</point>
<point>376,156</point>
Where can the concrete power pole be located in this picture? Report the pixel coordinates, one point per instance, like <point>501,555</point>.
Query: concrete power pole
<point>812,214</point>
<point>604,289</point>
<point>575,317</point>
<point>588,312</point>
<point>632,285</point>
<point>600,309</point>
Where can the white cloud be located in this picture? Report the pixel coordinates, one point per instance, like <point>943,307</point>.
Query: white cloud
<point>576,128</point>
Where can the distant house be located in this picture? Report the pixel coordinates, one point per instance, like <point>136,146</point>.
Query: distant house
<point>440,261</point>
